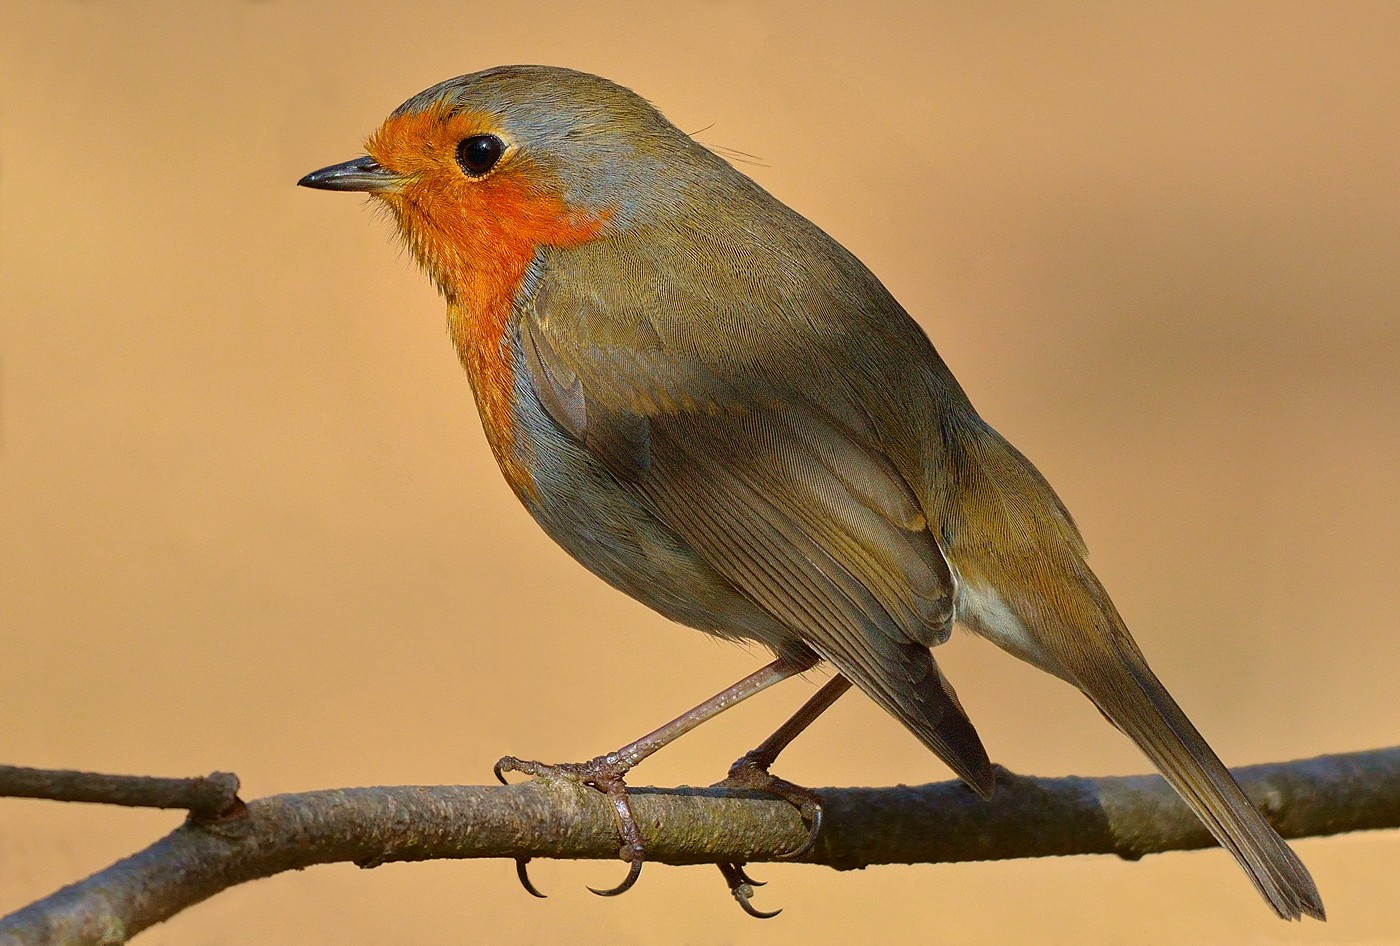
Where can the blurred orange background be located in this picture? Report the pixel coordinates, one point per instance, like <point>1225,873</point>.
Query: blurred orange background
<point>248,519</point>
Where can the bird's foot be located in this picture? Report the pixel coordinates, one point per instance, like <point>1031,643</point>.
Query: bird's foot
<point>604,773</point>
<point>751,772</point>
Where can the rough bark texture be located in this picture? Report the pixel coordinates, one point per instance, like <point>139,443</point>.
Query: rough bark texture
<point>1029,817</point>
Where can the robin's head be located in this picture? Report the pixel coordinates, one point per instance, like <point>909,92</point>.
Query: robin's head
<point>483,170</point>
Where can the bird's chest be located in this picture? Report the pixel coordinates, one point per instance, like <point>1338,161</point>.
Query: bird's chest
<point>558,482</point>
<point>583,507</point>
<point>491,356</point>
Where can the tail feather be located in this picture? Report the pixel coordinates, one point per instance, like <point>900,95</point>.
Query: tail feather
<point>1024,585</point>
<point>1138,704</point>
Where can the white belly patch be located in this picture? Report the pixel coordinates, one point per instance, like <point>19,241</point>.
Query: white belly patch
<point>982,610</point>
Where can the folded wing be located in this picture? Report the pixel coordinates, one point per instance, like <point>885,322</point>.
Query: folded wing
<point>798,510</point>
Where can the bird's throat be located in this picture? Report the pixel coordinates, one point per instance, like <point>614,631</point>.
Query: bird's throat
<point>480,257</point>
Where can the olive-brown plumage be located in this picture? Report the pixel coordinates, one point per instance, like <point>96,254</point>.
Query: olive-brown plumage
<point>718,409</point>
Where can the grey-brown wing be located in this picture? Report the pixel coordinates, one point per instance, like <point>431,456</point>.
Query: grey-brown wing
<point>796,511</point>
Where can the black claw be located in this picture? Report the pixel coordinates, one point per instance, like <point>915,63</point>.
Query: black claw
<point>522,873</point>
<point>634,871</point>
<point>499,769</point>
<point>813,833</point>
<point>741,886</point>
<point>752,910</point>
<point>744,877</point>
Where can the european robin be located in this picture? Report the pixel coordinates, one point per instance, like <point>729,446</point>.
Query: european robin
<point>717,409</point>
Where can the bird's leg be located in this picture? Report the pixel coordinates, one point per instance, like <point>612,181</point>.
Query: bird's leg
<point>605,773</point>
<point>751,771</point>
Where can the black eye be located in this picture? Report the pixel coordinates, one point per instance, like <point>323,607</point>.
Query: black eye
<point>479,154</point>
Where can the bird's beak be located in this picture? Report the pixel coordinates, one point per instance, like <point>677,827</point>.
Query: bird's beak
<point>361,174</point>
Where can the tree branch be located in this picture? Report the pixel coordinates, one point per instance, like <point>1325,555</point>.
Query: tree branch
<point>1029,817</point>
<point>205,797</point>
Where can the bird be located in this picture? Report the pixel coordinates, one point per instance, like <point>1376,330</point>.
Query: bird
<point>719,410</point>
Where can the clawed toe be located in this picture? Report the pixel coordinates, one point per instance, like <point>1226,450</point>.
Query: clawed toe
<point>812,814</point>
<point>632,849</point>
<point>605,774</point>
<point>502,766</point>
<point>522,873</point>
<point>744,877</point>
<point>741,886</point>
<point>634,870</point>
<point>752,774</point>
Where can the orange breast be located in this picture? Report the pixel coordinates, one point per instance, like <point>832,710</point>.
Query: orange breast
<point>479,316</point>
<point>477,239</point>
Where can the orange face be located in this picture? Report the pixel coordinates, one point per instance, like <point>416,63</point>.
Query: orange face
<point>475,235</point>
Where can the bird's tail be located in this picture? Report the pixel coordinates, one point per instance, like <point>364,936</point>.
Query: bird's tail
<point>1137,703</point>
<point>1025,585</point>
